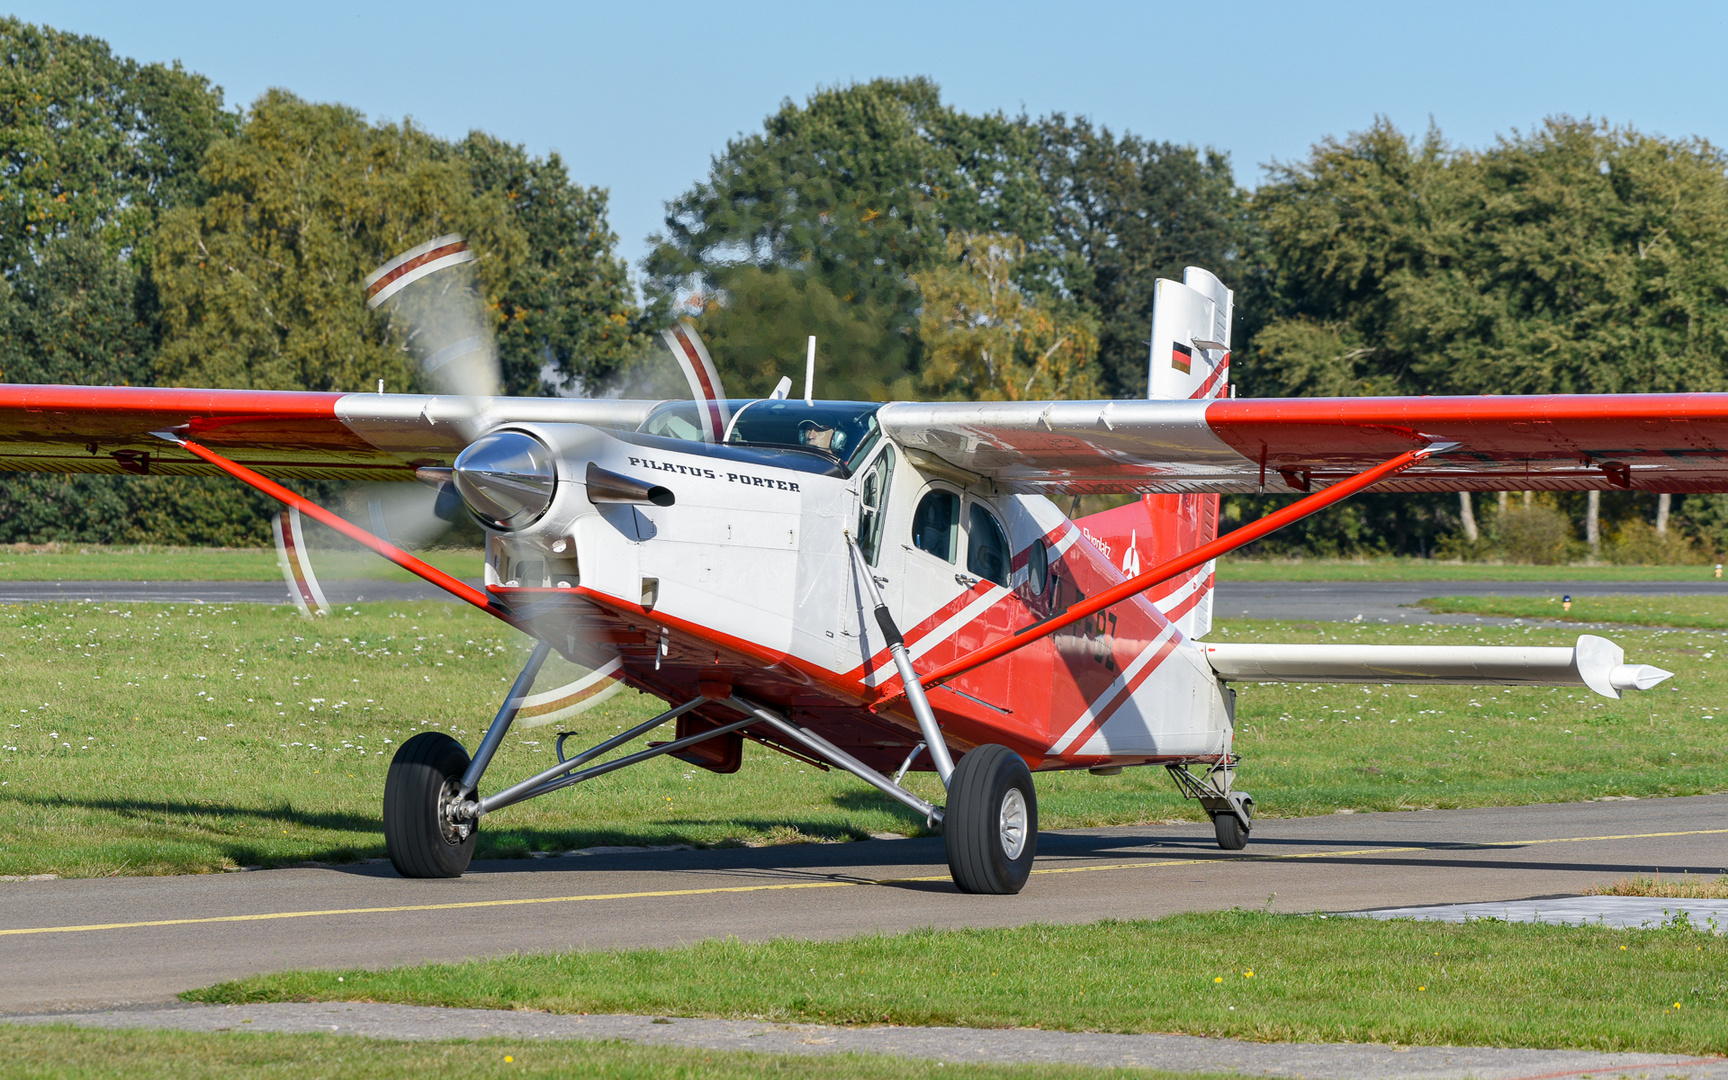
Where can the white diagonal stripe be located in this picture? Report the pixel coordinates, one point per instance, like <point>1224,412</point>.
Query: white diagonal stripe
<point>944,630</point>
<point>1113,691</point>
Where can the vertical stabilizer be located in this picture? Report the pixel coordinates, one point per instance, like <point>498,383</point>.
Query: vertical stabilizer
<point>1190,359</point>
<point>1190,337</point>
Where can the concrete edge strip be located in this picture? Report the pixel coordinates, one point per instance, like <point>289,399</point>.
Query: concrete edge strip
<point>1340,1061</point>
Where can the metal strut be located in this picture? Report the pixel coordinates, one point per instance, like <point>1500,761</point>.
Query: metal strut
<point>459,589</point>
<point>506,716</point>
<point>1213,789</point>
<point>911,687</point>
<point>825,749</point>
<point>563,774</point>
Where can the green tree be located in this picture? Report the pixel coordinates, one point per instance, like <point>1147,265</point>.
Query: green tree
<point>850,193</point>
<point>986,339</point>
<point>566,315</point>
<point>261,283</point>
<point>1126,211</point>
<point>93,149</point>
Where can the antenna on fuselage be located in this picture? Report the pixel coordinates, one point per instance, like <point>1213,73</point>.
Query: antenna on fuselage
<point>810,373</point>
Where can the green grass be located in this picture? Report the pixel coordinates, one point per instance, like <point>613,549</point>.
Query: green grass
<point>94,562</point>
<point>191,765</point>
<point>72,562</point>
<point>1409,569</point>
<point>1697,612</point>
<point>1249,975</point>
<point>68,1053</point>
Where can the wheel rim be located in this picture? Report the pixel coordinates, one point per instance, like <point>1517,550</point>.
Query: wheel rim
<point>453,831</point>
<point>1011,823</point>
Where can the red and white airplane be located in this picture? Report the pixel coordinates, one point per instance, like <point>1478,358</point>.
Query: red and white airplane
<point>884,587</point>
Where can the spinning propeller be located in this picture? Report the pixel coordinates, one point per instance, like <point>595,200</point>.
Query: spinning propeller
<point>432,302</point>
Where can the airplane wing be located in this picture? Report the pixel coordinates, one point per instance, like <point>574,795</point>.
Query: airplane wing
<point>284,434</point>
<point>1640,442</point>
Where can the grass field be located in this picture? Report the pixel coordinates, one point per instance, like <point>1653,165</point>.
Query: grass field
<point>1243,974</point>
<point>66,1053</point>
<point>166,739</point>
<point>1697,612</point>
<point>74,562</point>
<point>1683,887</point>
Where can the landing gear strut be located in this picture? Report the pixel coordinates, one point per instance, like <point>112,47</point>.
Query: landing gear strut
<point>1231,811</point>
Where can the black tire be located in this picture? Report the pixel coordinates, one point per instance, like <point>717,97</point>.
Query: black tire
<point>426,768</point>
<point>1228,827</point>
<point>976,823</point>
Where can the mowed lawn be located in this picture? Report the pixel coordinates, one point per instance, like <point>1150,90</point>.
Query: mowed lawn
<point>338,559</point>
<point>1697,612</point>
<point>1253,975</point>
<point>175,738</point>
<point>94,562</point>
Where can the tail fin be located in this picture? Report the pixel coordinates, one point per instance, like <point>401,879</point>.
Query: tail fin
<point>1190,337</point>
<point>1155,529</point>
<point>1190,360</point>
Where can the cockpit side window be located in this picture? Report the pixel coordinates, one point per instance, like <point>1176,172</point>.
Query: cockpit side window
<point>986,546</point>
<point>873,499</point>
<point>936,524</point>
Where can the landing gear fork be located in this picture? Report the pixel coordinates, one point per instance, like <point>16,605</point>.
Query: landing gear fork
<point>1231,811</point>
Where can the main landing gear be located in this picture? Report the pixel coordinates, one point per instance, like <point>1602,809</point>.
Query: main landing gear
<point>433,806</point>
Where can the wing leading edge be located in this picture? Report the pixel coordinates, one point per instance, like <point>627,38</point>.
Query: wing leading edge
<point>1641,442</point>
<point>283,434</point>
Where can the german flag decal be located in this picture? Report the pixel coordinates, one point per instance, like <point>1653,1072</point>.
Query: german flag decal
<point>1182,358</point>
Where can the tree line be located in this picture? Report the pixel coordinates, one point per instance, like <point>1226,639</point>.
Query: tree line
<point>152,234</point>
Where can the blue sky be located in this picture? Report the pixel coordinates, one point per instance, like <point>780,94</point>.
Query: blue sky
<point>638,97</point>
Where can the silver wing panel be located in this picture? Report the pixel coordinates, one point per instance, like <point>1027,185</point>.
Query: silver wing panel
<point>1077,447</point>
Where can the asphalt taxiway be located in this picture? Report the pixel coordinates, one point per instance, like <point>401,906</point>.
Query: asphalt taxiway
<point>87,942</point>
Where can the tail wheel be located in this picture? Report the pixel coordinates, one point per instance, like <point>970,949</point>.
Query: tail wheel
<point>1232,834</point>
<point>990,826</point>
<point>421,835</point>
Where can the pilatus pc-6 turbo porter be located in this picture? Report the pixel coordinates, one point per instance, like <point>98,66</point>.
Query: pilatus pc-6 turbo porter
<point>874,587</point>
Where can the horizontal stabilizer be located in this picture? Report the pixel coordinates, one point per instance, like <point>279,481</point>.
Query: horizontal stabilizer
<point>1594,662</point>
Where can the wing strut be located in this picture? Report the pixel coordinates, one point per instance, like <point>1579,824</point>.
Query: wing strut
<point>459,589</point>
<point>1182,564</point>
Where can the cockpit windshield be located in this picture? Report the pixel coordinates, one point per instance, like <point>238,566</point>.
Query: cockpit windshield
<point>845,430</point>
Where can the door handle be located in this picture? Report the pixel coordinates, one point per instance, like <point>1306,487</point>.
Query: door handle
<point>965,581</point>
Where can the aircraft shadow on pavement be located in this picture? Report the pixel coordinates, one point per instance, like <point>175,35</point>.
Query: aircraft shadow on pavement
<point>207,823</point>
<point>894,862</point>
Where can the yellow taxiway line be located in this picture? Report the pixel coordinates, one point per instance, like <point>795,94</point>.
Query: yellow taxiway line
<point>787,886</point>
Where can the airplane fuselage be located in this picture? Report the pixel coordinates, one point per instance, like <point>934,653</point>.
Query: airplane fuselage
<point>747,578</point>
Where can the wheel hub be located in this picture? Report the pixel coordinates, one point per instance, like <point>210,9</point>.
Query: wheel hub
<point>454,829</point>
<point>1011,823</point>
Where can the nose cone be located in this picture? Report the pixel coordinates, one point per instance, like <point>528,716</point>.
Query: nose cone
<point>507,478</point>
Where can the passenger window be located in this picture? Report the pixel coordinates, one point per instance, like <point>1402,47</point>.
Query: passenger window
<point>1037,567</point>
<point>986,546</point>
<point>873,496</point>
<point>936,524</point>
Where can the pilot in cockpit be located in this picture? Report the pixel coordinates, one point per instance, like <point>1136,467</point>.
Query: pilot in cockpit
<point>817,436</point>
